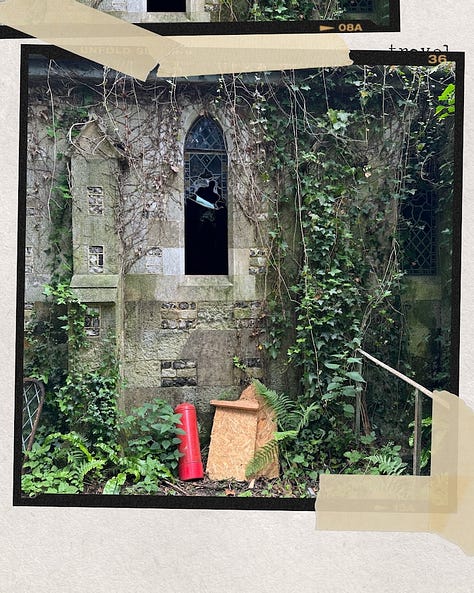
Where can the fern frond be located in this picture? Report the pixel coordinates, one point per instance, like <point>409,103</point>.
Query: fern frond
<point>262,458</point>
<point>388,465</point>
<point>305,415</point>
<point>281,404</point>
<point>88,466</point>
<point>267,453</point>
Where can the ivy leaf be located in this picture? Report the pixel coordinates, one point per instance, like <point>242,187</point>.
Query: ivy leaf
<point>355,376</point>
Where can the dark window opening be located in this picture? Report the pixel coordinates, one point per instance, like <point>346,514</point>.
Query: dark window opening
<point>166,6</point>
<point>418,233</point>
<point>205,209</point>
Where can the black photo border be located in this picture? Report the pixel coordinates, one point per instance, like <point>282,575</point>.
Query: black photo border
<point>370,58</point>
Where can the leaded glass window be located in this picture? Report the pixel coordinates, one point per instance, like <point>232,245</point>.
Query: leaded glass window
<point>96,259</point>
<point>418,233</point>
<point>95,199</point>
<point>205,189</point>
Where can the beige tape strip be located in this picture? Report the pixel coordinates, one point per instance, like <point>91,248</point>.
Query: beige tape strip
<point>252,53</point>
<point>442,503</point>
<point>122,46</point>
<point>89,33</point>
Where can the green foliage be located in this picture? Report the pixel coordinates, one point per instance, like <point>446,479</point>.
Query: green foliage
<point>385,461</point>
<point>152,430</point>
<point>73,317</point>
<point>277,10</point>
<point>59,465</point>
<point>88,402</point>
<point>447,102</point>
<point>282,10</point>
<point>290,419</point>
<point>345,290</point>
<point>141,451</point>
<point>425,456</point>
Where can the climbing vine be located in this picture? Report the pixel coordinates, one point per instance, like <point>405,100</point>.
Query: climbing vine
<point>344,168</point>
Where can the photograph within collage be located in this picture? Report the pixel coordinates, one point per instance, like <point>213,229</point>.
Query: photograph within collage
<point>244,11</point>
<point>205,264</point>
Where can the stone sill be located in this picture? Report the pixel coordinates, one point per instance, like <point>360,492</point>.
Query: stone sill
<point>94,281</point>
<point>95,288</point>
<point>160,17</point>
<point>206,281</point>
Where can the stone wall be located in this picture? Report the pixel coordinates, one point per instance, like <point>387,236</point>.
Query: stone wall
<point>176,335</point>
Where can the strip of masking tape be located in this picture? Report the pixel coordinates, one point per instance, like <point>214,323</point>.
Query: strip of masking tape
<point>441,503</point>
<point>89,33</point>
<point>222,54</point>
<point>127,48</point>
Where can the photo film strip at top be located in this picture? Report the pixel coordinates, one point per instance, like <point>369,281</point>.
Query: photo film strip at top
<point>221,17</point>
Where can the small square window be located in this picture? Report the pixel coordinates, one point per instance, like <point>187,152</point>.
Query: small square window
<point>92,322</point>
<point>96,259</point>
<point>28,260</point>
<point>95,198</point>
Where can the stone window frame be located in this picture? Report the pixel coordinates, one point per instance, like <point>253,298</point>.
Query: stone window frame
<point>96,267</point>
<point>29,259</point>
<point>95,200</point>
<point>192,119</point>
<point>93,321</point>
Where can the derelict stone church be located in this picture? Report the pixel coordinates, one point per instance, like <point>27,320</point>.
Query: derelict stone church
<point>166,239</point>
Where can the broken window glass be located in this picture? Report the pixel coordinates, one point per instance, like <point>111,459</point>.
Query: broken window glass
<point>205,181</point>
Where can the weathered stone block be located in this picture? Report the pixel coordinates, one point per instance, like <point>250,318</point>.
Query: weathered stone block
<point>213,351</point>
<point>214,316</point>
<point>186,372</point>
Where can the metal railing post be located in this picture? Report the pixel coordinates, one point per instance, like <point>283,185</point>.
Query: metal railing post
<point>419,389</point>
<point>417,435</point>
<point>358,406</point>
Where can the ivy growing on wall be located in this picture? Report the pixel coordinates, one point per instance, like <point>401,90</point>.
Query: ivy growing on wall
<point>346,153</point>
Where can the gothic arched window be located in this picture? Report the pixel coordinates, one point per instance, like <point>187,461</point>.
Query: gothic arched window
<point>205,199</point>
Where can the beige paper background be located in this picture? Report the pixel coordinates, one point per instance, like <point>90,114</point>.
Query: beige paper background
<point>53,550</point>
